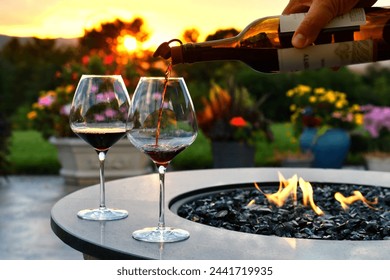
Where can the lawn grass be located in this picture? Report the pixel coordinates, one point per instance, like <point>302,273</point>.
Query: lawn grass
<point>31,154</point>
<point>271,153</point>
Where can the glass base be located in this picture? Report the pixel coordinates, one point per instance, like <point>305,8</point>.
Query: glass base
<point>102,214</point>
<point>155,234</point>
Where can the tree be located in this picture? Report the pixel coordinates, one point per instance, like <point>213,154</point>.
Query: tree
<point>28,68</point>
<point>105,37</point>
<point>191,35</point>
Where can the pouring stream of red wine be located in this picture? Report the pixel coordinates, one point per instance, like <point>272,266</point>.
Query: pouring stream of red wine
<point>167,75</point>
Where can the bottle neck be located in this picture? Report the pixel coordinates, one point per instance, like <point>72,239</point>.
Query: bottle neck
<point>203,51</point>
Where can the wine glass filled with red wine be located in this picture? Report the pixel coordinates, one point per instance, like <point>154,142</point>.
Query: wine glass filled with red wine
<point>98,115</point>
<point>162,123</point>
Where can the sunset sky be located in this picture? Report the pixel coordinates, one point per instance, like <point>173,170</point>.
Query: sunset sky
<point>163,19</point>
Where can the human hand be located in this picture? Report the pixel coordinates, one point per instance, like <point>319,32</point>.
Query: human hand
<point>319,13</point>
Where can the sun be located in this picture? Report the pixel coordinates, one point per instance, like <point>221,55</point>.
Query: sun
<point>127,43</point>
<point>130,43</point>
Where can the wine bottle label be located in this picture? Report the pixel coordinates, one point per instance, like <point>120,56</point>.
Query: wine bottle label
<point>356,17</point>
<point>327,55</point>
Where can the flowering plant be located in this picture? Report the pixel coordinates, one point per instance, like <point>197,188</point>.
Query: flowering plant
<point>377,124</point>
<point>322,108</point>
<point>231,115</point>
<point>50,114</point>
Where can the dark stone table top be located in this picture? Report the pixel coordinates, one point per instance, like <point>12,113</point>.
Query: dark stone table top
<point>139,195</point>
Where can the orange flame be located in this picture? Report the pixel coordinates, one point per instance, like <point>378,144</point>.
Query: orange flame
<point>286,188</point>
<point>289,188</point>
<point>357,196</point>
<point>307,192</point>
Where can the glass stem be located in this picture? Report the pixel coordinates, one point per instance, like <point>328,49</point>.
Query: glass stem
<point>102,157</point>
<point>161,220</point>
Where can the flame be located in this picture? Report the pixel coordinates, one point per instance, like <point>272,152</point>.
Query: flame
<point>357,196</point>
<point>307,192</point>
<point>288,187</point>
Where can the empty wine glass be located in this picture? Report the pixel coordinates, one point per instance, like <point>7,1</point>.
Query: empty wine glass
<point>98,115</point>
<point>162,123</point>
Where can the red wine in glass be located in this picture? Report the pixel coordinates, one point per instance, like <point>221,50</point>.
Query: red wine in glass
<point>162,123</point>
<point>98,115</point>
<point>100,138</point>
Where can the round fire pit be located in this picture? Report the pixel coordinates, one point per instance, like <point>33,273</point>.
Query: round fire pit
<point>241,187</point>
<point>290,209</point>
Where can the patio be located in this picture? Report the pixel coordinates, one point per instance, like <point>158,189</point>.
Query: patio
<point>25,233</point>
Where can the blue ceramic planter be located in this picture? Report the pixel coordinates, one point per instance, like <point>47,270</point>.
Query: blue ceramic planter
<point>329,150</point>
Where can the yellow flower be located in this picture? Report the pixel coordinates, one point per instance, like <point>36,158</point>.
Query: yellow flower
<point>290,93</point>
<point>32,115</point>
<point>303,89</point>
<point>342,95</point>
<point>36,106</point>
<point>339,104</point>
<point>355,108</point>
<point>293,107</point>
<point>312,99</point>
<point>51,93</point>
<point>359,119</point>
<point>330,97</point>
<point>319,91</point>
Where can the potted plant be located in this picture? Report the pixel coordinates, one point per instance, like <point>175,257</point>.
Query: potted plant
<point>377,126</point>
<point>233,122</point>
<point>50,116</point>
<point>322,119</point>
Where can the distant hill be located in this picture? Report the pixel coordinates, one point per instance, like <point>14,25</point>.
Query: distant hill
<point>4,39</point>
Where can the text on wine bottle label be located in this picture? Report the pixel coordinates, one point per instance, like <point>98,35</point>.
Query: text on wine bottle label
<point>327,55</point>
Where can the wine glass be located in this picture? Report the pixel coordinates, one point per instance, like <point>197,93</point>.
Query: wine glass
<point>98,115</point>
<point>162,123</point>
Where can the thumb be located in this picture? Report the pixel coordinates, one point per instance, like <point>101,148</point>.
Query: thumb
<point>310,27</point>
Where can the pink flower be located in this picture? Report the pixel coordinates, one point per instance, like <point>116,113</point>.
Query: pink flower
<point>46,100</point>
<point>376,119</point>
<point>99,117</point>
<point>65,110</point>
<point>105,96</point>
<point>156,96</point>
<point>110,113</point>
<point>94,88</point>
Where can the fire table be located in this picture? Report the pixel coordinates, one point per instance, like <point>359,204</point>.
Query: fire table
<point>139,195</point>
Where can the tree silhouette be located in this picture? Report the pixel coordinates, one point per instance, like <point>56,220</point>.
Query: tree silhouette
<point>191,35</point>
<point>104,38</point>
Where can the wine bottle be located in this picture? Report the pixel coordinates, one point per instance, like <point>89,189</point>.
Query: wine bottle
<point>361,36</point>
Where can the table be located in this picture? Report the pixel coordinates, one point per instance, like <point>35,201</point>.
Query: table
<point>139,195</point>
